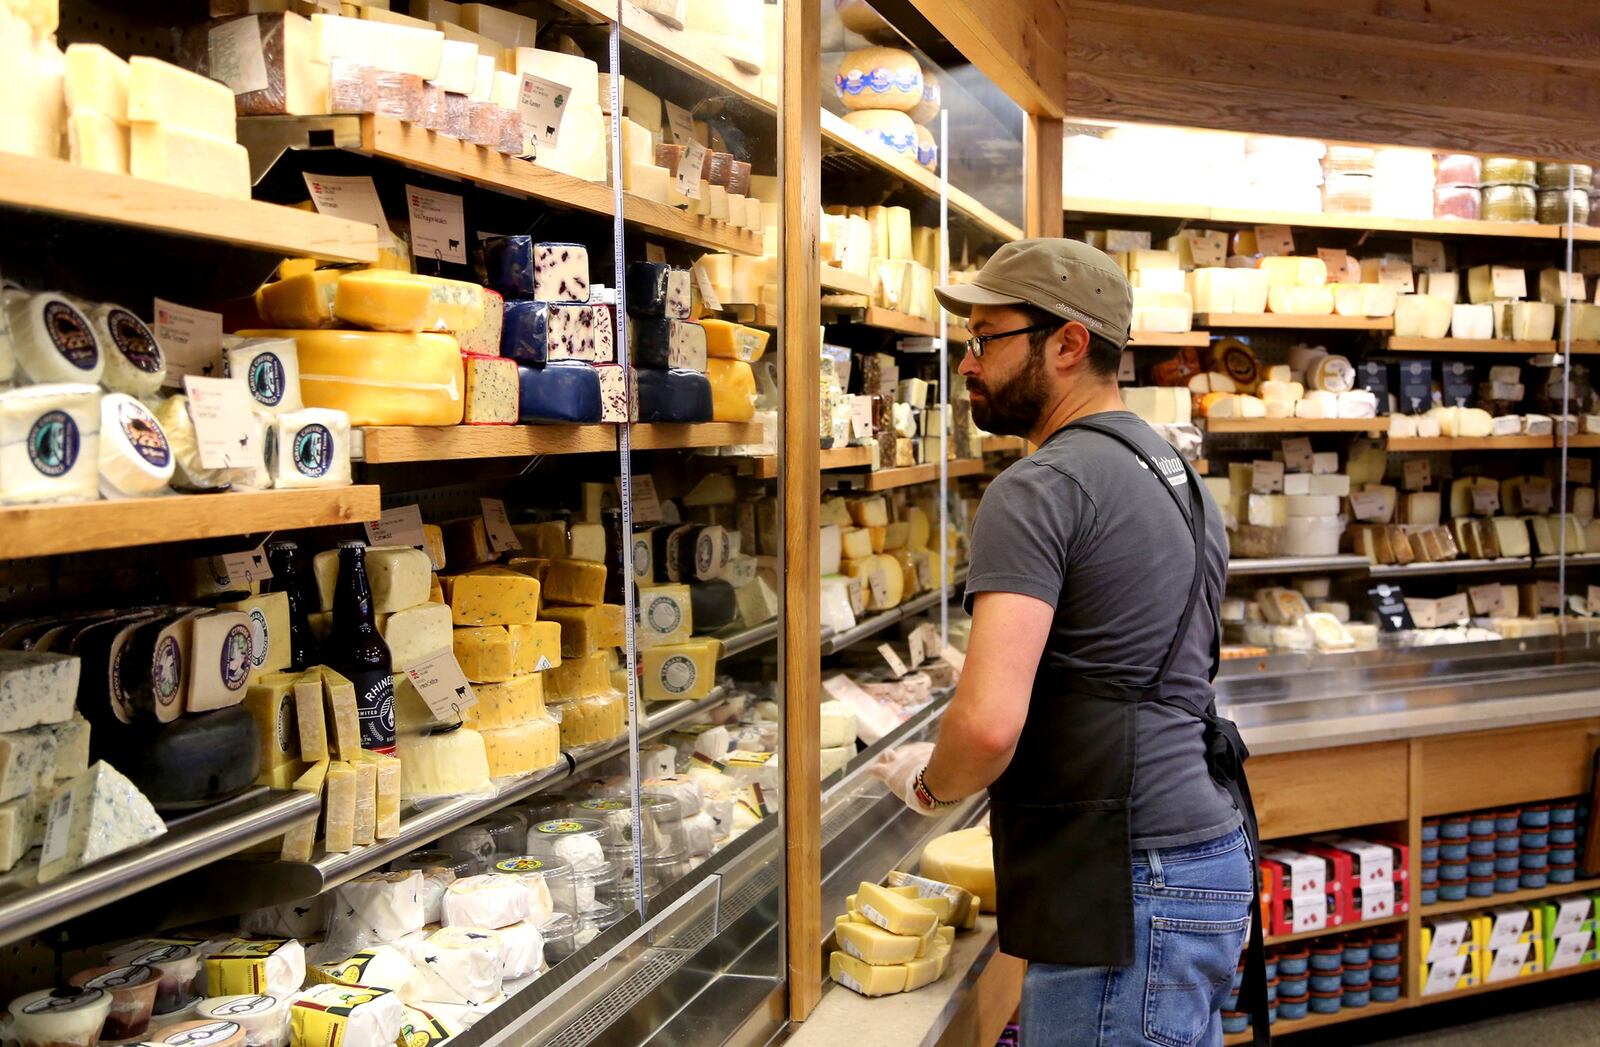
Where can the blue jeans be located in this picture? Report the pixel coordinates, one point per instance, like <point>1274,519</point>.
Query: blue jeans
<point>1191,912</point>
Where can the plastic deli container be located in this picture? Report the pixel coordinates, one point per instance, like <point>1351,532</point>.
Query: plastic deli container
<point>1508,843</point>
<point>133,997</point>
<point>1386,991</point>
<point>1562,835</point>
<point>1327,1002</point>
<point>1325,957</point>
<point>1535,857</point>
<point>1327,981</point>
<point>1357,949</point>
<point>1536,817</point>
<point>560,935</point>
<point>1430,895</point>
<point>1480,886</point>
<point>1357,974</point>
<point>1507,863</point>
<point>1453,892</point>
<point>1563,814</point>
<point>1293,1008</point>
<point>1235,1022</point>
<point>1481,824</point>
<point>1430,830</point>
<point>1481,845</point>
<point>1563,873</point>
<point>58,1018</point>
<point>1533,880</point>
<point>1296,986</point>
<point>1505,883</point>
<point>1480,867</point>
<point>1454,828</point>
<point>1453,850</point>
<point>1382,972</point>
<point>1508,821</point>
<point>1293,962</point>
<point>1357,997</point>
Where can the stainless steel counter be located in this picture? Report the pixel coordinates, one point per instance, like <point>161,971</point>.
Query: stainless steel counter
<point>1287,703</point>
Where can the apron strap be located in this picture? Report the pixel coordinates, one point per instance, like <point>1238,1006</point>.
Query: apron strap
<point>1225,749</point>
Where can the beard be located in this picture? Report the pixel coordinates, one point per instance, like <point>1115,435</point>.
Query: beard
<point>1013,408</point>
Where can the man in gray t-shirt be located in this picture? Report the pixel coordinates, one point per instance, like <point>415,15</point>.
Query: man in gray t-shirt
<point>1123,861</point>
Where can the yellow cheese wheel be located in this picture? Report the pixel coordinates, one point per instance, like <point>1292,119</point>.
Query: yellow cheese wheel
<point>888,128</point>
<point>966,859</point>
<point>859,17</point>
<point>927,149</point>
<point>379,377</point>
<point>925,111</point>
<point>879,78</point>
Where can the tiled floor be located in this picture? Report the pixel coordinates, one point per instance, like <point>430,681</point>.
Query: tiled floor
<point>1560,1013</point>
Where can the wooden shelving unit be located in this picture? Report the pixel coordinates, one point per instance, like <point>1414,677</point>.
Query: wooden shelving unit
<point>657,436</point>
<point>838,281</point>
<point>1291,322</point>
<point>1349,928</point>
<point>1296,425</point>
<point>389,444</point>
<point>1469,345</point>
<point>899,323</point>
<point>1317,1021</point>
<point>61,188</point>
<point>1532,894</point>
<point>1160,339</point>
<point>906,476</point>
<point>75,527</point>
<point>766,467</point>
<point>1471,443</point>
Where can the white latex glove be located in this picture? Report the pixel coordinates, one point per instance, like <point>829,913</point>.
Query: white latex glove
<point>897,768</point>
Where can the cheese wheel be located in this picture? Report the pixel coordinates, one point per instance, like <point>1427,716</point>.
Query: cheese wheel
<point>1238,361</point>
<point>927,149</point>
<point>1331,373</point>
<point>858,16</point>
<point>377,377</point>
<point>53,340</point>
<point>49,443</point>
<point>879,78</point>
<point>134,363</point>
<point>888,128</point>
<point>924,111</point>
<point>135,458</point>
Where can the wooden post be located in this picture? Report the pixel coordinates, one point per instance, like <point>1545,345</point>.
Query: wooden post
<point>800,492</point>
<point>1041,153</point>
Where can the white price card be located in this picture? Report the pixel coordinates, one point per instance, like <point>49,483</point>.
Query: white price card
<point>1128,239</point>
<point>690,165</point>
<point>1453,608</point>
<point>233,50</point>
<point>244,568</point>
<point>914,647</point>
<point>1485,499</point>
<point>681,124</point>
<point>1336,260</point>
<point>543,104</point>
<point>191,340</point>
<point>860,417</point>
<point>1488,599</point>
<point>1396,274</point>
<point>57,831</point>
<point>708,294</point>
<point>1537,497</point>
<point>896,666</point>
<point>401,525</point>
<point>1580,471</point>
<point>1125,367</point>
<point>1509,281</point>
<point>1428,254</point>
<point>438,227</point>
<point>879,584</point>
<point>646,503</point>
<point>1572,289</point>
<point>1297,454</point>
<point>1266,477</point>
<point>1548,595</point>
<point>1207,248</point>
<point>346,196</point>
<point>502,538</point>
<point>1367,505</point>
<point>1274,240</point>
<point>443,686</point>
<point>223,424</point>
<point>1418,474</point>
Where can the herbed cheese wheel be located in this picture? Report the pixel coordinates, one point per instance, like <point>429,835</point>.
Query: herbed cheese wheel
<point>888,128</point>
<point>879,78</point>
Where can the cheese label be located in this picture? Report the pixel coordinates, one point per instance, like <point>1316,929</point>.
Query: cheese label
<point>890,656</point>
<point>205,1034</point>
<point>543,104</point>
<point>70,333</point>
<point>236,657</point>
<point>223,424</point>
<point>347,196</point>
<point>131,338</point>
<point>442,685</point>
<point>1418,475</point>
<point>54,443</point>
<point>143,433</point>
<point>313,450</point>
<point>1334,259</point>
<point>1428,254</point>
<point>559,828</point>
<point>664,615</point>
<point>1485,499</point>
<point>55,834</point>
<point>191,340</point>
<point>1266,477</point>
<point>519,865</point>
<point>265,379</point>
<point>498,526</point>
<point>1509,282</point>
<point>401,525</point>
<point>678,674</point>
<point>1297,454</point>
<point>1490,599</point>
<point>641,559</point>
<point>1274,240</point>
<point>438,228</point>
<point>166,671</point>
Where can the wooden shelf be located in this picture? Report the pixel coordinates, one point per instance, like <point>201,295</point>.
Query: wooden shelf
<point>387,444</point>
<point>1155,339</point>
<point>414,146</point>
<point>1317,220</point>
<point>1291,322</point>
<point>766,466</point>
<point>1510,897</point>
<point>74,527</point>
<point>899,323</point>
<point>1509,983</point>
<point>1472,345</point>
<point>906,476</point>
<point>57,187</point>
<point>1005,445</point>
<point>838,281</point>
<point>685,50</point>
<point>658,436</point>
<point>1297,425</point>
<point>1580,440</point>
<point>1316,1021</point>
<point>1471,443</point>
<point>1349,928</point>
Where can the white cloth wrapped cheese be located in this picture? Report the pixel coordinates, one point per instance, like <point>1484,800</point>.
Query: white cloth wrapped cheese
<point>457,965</point>
<point>521,950</point>
<point>378,907</point>
<point>488,901</point>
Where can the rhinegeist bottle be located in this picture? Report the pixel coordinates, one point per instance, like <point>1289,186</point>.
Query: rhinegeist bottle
<point>290,576</point>
<point>356,649</point>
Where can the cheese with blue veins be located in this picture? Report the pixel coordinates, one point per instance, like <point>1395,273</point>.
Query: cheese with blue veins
<point>93,816</point>
<point>49,443</point>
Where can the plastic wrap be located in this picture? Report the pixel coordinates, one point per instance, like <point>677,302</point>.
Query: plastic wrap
<point>1347,193</point>
<point>398,95</point>
<point>225,36</point>
<point>352,88</point>
<point>588,721</point>
<point>1560,176</point>
<point>1509,203</point>
<point>1458,169</point>
<point>1457,201</point>
<point>1509,170</point>
<point>1552,207</point>
<point>1347,159</point>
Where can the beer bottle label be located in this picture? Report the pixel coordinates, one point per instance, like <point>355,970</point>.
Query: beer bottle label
<point>375,702</point>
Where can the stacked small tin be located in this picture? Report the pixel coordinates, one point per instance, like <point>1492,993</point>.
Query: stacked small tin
<point>1484,853</point>
<point>1323,976</point>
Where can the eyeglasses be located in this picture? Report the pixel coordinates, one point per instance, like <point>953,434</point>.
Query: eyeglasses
<point>975,344</point>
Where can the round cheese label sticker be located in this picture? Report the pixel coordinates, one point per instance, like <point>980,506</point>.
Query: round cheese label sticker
<point>559,828</point>
<point>258,637</point>
<point>519,865</point>
<point>63,1000</point>
<point>72,336</point>
<point>143,433</point>
<point>678,673</point>
<point>53,443</point>
<point>236,661</point>
<point>313,450</point>
<point>134,340</point>
<point>265,379</point>
<point>202,1034</point>
<point>234,1006</point>
<point>664,615</point>
<point>166,670</point>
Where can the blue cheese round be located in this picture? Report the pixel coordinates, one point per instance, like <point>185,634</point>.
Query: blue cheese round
<point>53,340</point>
<point>135,458</point>
<point>134,361</point>
<point>49,443</point>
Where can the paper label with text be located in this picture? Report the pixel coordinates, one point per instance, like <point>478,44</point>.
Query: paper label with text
<point>401,525</point>
<point>438,226</point>
<point>223,425</point>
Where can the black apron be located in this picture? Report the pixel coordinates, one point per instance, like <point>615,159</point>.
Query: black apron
<point>1060,811</point>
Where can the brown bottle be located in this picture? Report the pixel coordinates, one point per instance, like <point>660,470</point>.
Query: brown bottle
<point>357,651</point>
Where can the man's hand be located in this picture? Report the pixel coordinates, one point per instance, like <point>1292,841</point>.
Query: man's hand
<point>897,768</point>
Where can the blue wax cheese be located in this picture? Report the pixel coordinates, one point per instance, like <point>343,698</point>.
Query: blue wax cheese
<point>673,396</point>
<point>561,391</point>
<point>525,331</point>
<point>647,288</point>
<point>94,816</point>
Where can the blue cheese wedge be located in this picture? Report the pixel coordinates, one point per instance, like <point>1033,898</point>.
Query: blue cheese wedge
<point>94,816</point>
<point>36,687</point>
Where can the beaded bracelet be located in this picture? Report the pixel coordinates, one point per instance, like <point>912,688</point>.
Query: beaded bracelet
<point>919,786</point>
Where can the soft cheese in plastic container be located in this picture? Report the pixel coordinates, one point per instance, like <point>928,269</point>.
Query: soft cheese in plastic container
<point>549,884</point>
<point>57,1018</point>
<point>580,842</point>
<point>133,997</point>
<point>661,833</point>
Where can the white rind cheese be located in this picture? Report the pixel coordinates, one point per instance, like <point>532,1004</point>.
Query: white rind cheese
<point>49,443</point>
<point>270,370</point>
<point>312,448</point>
<point>135,459</point>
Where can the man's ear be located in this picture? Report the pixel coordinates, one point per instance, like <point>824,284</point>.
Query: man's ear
<point>1070,344</point>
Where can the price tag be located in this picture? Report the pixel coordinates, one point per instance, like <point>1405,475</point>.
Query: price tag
<point>346,196</point>
<point>443,686</point>
<point>1509,282</point>
<point>1488,599</point>
<point>896,666</point>
<point>1367,505</point>
<point>1418,474</point>
<point>1125,371</point>
<point>1485,499</point>
<point>646,503</point>
<point>502,538</point>
<point>438,228</point>
<point>1274,239</point>
<point>655,253</point>
<point>689,168</point>
<point>680,124</point>
<point>708,294</point>
<point>191,340</point>
<point>860,417</point>
<point>1297,456</point>
<point>1337,260</point>
<point>1537,497</point>
<point>1548,595</point>
<point>1395,273</point>
<point>233,50</point>
<point>1266,477</point>
<point>1207,248</point>
<point>223,426</point>
<point>1572,289</point>
<point>1128,240</point>
<point>1453,608</point>
<point>1442,977</point>
<point>879,586</point>
<point>543,104</point>
<point>915,647</point>
<point>401,525</point>
<point>1593,599</point>
<point>954,657</point>
<point>1428,254</point>
<point>1389,603</point>
<point>1580,471</point>
<point>1589,260</point>
<point>57,830</point>
<point>245,568</point>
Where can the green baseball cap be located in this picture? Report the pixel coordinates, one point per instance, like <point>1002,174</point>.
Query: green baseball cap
<point>1066,278</point>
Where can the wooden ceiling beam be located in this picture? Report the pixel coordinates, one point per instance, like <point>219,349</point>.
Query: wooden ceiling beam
<point>1020,45</point>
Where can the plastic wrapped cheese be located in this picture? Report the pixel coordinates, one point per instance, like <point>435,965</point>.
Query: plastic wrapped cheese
<point>873,78</point>
<point>378,907</point>
<point>379,378</point>
<point>135,459</point>
<point>888,128</point>
<point>485,901</point>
